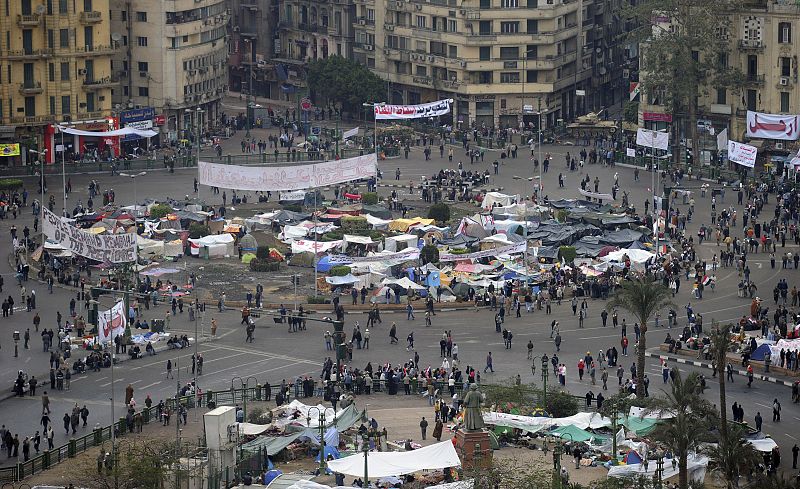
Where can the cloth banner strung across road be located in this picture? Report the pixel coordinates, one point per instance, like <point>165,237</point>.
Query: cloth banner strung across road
<point>652,139</point>
<point>505,250</point>
<point>432,109</point>
<point>743,154</point>
<point>111,323</point>
<point>105,248</point>
<point>125,131</point>
<point>772,126</point>
<point>407,254</point>
<point>282,178</point>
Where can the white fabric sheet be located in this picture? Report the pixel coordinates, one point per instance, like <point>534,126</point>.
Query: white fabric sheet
<point>383,464</point>
<point>696,465</point>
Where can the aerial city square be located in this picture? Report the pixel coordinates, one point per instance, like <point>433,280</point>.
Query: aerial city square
<point>529,244</point>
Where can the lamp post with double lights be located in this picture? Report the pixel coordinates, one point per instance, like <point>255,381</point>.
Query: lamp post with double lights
<point>42,156</point>
<point>134,176</point>
<point>321,422</point>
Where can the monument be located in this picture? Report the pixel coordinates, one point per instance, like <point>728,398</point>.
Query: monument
<point>472,440</point>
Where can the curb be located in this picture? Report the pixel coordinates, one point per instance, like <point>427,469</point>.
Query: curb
<point>395,185</point>
<point>709,366</point>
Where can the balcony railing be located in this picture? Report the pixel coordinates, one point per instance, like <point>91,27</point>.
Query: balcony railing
<point>29,119</point>
<point>30,88</point>
<point>28,54</point>
<point>751,44</point>
<point>94,50</point>
<point>100,84</point>
<point>92,17</point>
<point>754,79</point>
<point>29,20</point>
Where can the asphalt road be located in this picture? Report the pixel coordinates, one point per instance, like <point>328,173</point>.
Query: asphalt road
<point>277,354</point>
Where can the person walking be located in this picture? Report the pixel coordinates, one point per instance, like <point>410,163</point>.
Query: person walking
<point>759,421</point>
<point>393,334</point>
<point>489,365</point>
<point>169,369</point>
<point>776,411</point>
<point>423,427</point>
<point>795,451</point>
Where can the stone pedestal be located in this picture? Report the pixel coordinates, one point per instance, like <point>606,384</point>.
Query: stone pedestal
<point>474,449</point>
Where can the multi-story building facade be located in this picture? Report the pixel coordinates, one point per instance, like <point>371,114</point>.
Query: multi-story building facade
<point>495,58</point>
<point>252,46</point>
<point>760,45</point>
<point>173,59</point>
<point>56,68</point>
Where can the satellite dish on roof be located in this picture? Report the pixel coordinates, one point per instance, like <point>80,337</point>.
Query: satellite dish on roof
<point>116,37</point>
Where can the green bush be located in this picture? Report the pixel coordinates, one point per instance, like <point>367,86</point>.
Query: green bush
<point>198,230</point>
<point>561,404</point>
<point>339,271</point>
<point>262,253</point>
<point>429,254</point>
<point>369,198</point>
<point>160,210</point>
<point>257,265</point>
<point>10,183</point>
<point>354,224</point>
<point>561,215</point>
<point>568,253</point>
<point>439,212</point>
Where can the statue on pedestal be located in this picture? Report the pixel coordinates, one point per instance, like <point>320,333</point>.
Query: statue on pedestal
<point>473,418</point>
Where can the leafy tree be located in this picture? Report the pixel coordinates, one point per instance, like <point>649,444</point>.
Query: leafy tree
<point>10,183</point>
<point>631,112</point>
<point>429,254</point>
<point>643,299</point>
<point>160,210</point>
<point>720,344</point>
<point>339,271</point>
<point>336,79</point>
<point>198,230</point>
<point>568,253</point>
<point>439,212</point>
<point>691,425</point>
<point>140,465</point>
<point>369,198</point>
<point>682,43</point>
<point>733,455</point>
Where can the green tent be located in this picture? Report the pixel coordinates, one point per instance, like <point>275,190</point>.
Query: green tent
<point>640,426</point>
<point>573,433</point>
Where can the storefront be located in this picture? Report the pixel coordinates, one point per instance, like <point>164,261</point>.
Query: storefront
<point>141,119</point>
<point>75,146</point>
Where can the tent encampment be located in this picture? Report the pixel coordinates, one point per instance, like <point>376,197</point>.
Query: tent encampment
<point>383,464</point>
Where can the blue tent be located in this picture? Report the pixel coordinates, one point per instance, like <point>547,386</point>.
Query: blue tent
<point>271,476</point>
<point>633,458</point>
<point>758,355</point>
<point>324,265</point>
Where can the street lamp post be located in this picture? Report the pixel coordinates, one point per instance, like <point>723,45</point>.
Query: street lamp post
<point>63,171</point>
<point>365,449</point>
<point>134,176</point>
<point>42,157</point>
<point>545,373</point>
<point>250,85</point>
<point>321,421</point>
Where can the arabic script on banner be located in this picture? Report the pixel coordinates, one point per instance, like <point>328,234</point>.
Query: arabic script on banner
<point>106,248</point>
<point>505,250</point>
<point>282,178</point>
<point>652,139</point>
<point>407,254</point>
<point>111,323</point>
<point>772,126</point>
<point>743,154</point>
<point>440,107</point>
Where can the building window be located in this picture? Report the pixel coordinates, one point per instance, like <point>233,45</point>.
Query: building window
<point>51,39</point>
<point>141,16</point>
<point>785,32</point>
<point>65,72</point>
<point>63,38</point>
<point>422,70</point>
<point>90,102</point>
<point>124,15</point>
<point>752,96</point>
<point>722,60</point>
<point>452,51</point>
<point>533,3</point>
<point>510,77</point>
<point>62,6</point>
<point>51,72</point>
<point>52,105</point>
<point>533,26</point>
<point>143,66</point>
<point>452,25</point>
<point>485,77</point>
<point>786,66</point>
<point>485,53</point>
<point>87,5</point>
<point>485,28</point>
<point>486,3</point>
<point>509,3</point>
<point>509,27</point>
<point>66,105</point>
<point>371,14</point>
<point>722,96</point>
<point>144,92</point>
<point>141,41</point>
<point>421,21</point>
<point>785,102</point>
<point>30,106</point>
<point>509,52</point>
<point>531,76</point>
<point>531,51</point>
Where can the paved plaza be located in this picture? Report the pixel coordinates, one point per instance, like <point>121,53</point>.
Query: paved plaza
<point>277,354</point>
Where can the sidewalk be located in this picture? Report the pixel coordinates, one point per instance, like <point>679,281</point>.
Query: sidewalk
<point>658,353</point>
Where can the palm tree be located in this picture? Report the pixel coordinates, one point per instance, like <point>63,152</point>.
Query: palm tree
<point>693,416</point>
<point>733,455</point>
<point>643,299</point>
<point>720,344</point>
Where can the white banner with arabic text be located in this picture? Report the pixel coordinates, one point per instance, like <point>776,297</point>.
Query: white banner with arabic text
<point>105,248</point>
<point>432,109</point>
<point>505,250</point>
<point>406,254</point>
<point>772,126</point>
<point>278,178</point>
<point>652,139</point>
<point>111,323</point>
<point>744,154</point>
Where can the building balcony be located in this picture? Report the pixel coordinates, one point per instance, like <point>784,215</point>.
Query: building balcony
<point>91,17</point>
<point>32,119</point>
<point>751,45</point>
<point>29,20</point>
<point>27,54</point>
<point>753,79</point>
<point>92,85</point>
<point>94,50</point>
<point>30,88</point>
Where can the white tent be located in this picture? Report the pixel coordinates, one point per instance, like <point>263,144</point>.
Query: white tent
<point>252,428</point>
<point>404,282</point>
<point>636,256</point>
<point>399,243</point>
<point>581,420</point>
<point>218,245</point>
<point>377,222</point>
<point>149,246</point>
<point>498,198</point>
<point>383,464</point>
<point>696,465</point>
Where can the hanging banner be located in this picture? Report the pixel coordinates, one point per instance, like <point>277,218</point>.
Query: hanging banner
<point>278,178</point>
<point>384,112</point>
<point>406,254</point>
<point>630,152</point>
<point>105,248</point>
<point>505,250</point>
<point>722,140</point>
<point>743,154</point>
<point>652,139</point>
<point>292,195</point>
<point>772,126</point>
<point>352,132</point>
<point>9,149</point>
<point>111,323</point>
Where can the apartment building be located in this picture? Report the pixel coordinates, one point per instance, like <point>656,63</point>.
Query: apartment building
<point>173,59</point>
<point>763,45</point>
<point>502,61</point>
<point>253,31</point>
<point>56,67</point>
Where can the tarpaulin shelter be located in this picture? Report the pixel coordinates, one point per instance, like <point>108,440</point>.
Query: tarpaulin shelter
<point>404,224</point>
<point>401,242</point>
<point>632,458</point>
<point>213,246</point>
<point>497,198</point>
<point>382,464</point>
<point>572,433</point>
<point>696,465</point>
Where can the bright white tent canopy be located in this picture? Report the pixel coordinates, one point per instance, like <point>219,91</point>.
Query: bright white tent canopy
<point>125,131</point>
<point>383,464</point>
